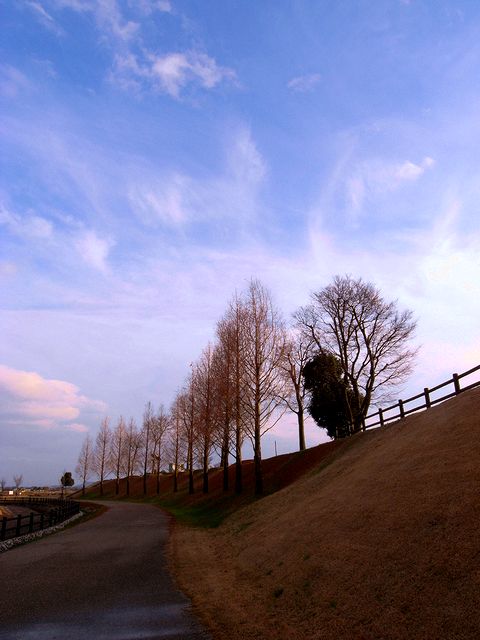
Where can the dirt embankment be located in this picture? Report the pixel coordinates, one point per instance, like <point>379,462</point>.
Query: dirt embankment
<point>381,543</point>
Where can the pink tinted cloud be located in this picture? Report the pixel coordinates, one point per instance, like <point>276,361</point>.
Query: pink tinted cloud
<point>28,398</point>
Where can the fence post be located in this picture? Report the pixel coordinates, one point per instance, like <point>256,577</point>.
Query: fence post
<point>456,383</point>
<point>19,526</point>
<point>402,410</point>
<point>427,397</point>
<point>42,521</point>
<point>4,528</point>
<point>30,523</point>
<point>380,413</point>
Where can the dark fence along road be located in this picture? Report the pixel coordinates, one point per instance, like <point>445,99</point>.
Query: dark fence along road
<point>105,579</point>
<point>52,512</point>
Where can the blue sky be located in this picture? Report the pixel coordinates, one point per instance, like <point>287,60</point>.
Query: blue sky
<point>156,154</point>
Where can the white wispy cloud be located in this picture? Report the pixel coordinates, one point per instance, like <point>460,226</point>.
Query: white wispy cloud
<point>147,7</point>
<point>169,201</point>
<point>305,83</point>
<point>135,66</point>
<point>12,81</point>
<point>44,17</point>
<point>26,226</point>
<point>177,199</point>
<point>108,17</point>
<point>170,73</point>
<point>376,177</point>
<point>94,250</point>
<point>31,400</point>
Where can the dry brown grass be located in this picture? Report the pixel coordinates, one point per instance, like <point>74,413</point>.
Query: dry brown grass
<point>383,543</point>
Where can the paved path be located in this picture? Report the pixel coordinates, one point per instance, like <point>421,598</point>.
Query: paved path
<point>105,579</point>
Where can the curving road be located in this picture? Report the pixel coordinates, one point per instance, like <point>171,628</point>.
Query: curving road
<point>105,579</point>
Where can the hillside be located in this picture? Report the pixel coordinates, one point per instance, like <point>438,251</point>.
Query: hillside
<point>383,542</point>
<point>210,509</point>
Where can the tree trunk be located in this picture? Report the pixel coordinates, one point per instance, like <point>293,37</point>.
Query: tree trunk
<point>301,429</point>
<point>238,463</point>
<point>258,467</point>
<point>190,470</point>
<point>205,469</point>
<point>225,471</point>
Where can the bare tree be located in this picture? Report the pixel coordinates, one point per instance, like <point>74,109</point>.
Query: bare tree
<point>264,352</point>
<point>101,457</point>
<point>203,381</point>
<point>158,433</point>
<point>131,452</point>
<point>298,351</point>
<point>117,450</point>
<point>232,340</point>
<point>223,372</point>
<point>148,420</point>
<point>3,483</point>
<point>176,441</point>
<point>17,481</point>
<point>350,319</point>
<point>187,410</point>
<point>85,462</point>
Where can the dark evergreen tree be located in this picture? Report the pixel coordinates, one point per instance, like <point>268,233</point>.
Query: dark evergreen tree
<point>329,395</point>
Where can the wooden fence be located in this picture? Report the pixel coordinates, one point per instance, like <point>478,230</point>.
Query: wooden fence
<point>51,512</point>
<point>426,399</point>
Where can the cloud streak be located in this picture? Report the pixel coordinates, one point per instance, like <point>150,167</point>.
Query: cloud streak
<point>29,399</point>
<point>170,73</point>
<point>305,83</point>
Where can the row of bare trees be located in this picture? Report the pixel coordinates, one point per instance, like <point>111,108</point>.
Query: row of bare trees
<point>238,388</point>
<point>125,450</point>
<point>252,373</point>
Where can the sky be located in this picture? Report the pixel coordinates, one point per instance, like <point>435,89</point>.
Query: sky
<point>157,154</point>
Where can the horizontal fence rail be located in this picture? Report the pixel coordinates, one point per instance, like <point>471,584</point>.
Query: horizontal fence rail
<point>424,400</point>
<point>53,512</point>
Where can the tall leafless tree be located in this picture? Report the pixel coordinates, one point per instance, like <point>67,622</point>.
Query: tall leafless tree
<point>131,452</point>
<point>158,435</point>
<point>176,441</point>
<point>117,450</point>
<point>101,452</point>
<point>187,409</point>
<point>350,319</point>
<point>264,352</point>
<point>223,373</point>
<point>203,381</point>
<point>232,341</point>
<point>3,484</point>
<point>298,351</point>
<point>148,420</point>
<point>85,462</point>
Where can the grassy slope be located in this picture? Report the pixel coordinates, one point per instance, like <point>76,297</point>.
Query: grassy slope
<point>210,509</point>
<point>381,543</point>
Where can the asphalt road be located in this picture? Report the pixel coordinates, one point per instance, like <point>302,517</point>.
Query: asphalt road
<point>105,579</point>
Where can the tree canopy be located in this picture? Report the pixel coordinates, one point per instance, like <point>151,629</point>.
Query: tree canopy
<point>370,337</point>
<point>329,394</point>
